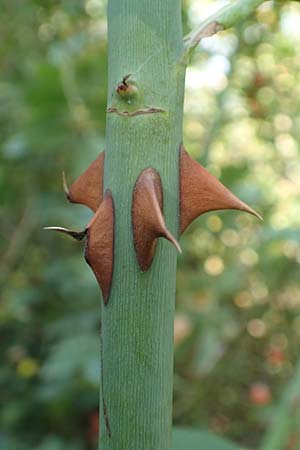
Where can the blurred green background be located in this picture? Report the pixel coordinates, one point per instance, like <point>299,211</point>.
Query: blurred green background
<point>237,326</point>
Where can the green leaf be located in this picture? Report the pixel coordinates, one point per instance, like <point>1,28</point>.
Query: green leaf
<point>192,439</point>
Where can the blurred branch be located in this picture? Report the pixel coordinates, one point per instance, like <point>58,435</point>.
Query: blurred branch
<point>281,429</point>
<point>226,17</point>
<point>17,243</point>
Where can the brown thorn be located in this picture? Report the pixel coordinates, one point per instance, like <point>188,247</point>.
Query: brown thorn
<point>88,188</point>
<point>171,238</point>
<point>78,235</point>
<point>147,218</point>
<point>201,192</point>
<point>99,251</point>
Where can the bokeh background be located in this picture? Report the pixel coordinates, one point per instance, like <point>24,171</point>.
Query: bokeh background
<point>237,326</point>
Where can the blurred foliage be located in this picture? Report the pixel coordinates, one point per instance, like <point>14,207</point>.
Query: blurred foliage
<point>237,326</point>
<point>186,438</point>
<point>283,432</point>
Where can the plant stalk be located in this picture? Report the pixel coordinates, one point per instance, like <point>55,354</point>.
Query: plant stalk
<point>143,130</point>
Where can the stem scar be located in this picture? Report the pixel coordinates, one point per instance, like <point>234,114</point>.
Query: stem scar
<point>106,419</point>
<point>137,112</point>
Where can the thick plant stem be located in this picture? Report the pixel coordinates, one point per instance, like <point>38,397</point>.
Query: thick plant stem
<point>144,129</point>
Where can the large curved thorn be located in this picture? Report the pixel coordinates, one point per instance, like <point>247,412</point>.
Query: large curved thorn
<point>88,188</point>
<point>147,219</point>
<point>78,235</point>
<point>201,192</point>
<point>99,251</point>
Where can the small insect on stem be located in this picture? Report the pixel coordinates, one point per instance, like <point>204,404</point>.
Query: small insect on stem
<point>125,89</point>
<point>123,86</point>
<point>125,78</point>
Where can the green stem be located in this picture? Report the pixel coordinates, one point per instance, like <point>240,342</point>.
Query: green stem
<point>226,17</point>
<point>145,41</point>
